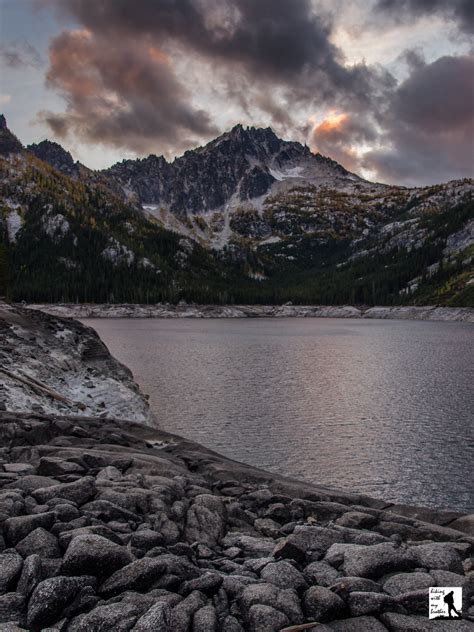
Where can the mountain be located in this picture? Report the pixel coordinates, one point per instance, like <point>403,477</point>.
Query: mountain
<point>56,156</point>
<point>238,166</point>
<point>247,218</point>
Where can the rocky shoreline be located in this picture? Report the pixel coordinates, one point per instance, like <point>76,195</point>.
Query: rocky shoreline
<point>109,524</point>
<point>165,310</point>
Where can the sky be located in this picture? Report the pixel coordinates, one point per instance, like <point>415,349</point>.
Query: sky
<point>385,87</point>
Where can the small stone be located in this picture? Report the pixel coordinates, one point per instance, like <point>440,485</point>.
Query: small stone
<point>407,582</point>
<point>283,575</point>
<point>41,542</point>
<point>208,583</point>
<point>94,555</point>
<point>320,604</point>
<point>205,520</point>
<point>437,556</point>
<point>119,617</point>
<point>369,603</point>
<point>19,527</point>
<point>321,573</point>
<point>137,576</point>
<point>12,608</point>
<point>30,575</point>
<point>52,466</point>
<point>156,619</point>
<point>79,491</point>
<point>266,619</point>
<point>356,624</point>
<point>51,597</point>
<point>10,568</point>
<point>205,620</point>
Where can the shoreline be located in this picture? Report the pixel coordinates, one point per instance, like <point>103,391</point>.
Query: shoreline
<point>107,522</point>
<point>163,310</point>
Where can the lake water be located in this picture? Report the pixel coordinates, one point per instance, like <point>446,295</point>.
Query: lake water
<point>381,407</point>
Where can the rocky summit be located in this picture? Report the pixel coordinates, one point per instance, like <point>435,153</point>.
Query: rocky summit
<point>111,525</point>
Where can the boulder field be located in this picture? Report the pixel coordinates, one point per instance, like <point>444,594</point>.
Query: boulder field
<point>111,525</point>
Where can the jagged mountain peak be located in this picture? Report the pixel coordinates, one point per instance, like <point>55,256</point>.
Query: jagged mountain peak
<point>55,155</point>
<point>9,143</point>
<point>238,166</point>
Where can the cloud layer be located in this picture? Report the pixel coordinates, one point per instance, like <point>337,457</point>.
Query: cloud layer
<point>121,75</point>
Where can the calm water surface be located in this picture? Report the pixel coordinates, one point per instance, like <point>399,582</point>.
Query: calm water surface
<point>382,407</point>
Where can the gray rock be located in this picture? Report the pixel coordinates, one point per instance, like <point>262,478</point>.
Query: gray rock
<point>278,512</point>
<point>146,539</point>
<point>30,575</point>
<point>356,624</point>
<point>285,600</point>
<point>315,541</point>
<point>119,617</point>
<point>10,568</point>
<point>31,482</point>
<point>53,466</point>
<point>370,561</point>
<point>403,623</point>
<point>94,555</point>
<point>66,537</point>
<point>17,528</point>
<point>439,556</point>
<point>208,583</point>
<point>109,473</point>
<point>21,469</point>
<point>107,511</point>
<point>50,597</point>
<point>137,576</point>
<point>156,619</point>
<point>250,546</point>
<point>78,491</point>
<point>369,603</point>
<point>321,573</point>
<point>464,524</point>
<point>65,512</point>
<point>205,520</point>
<point>287,550</point>
<point>284,575</point>
<point>232,625</point>
<point>267,527</point>
<point>320,604</point>
<point>346,585</point>
<point>414,602</point>
<point>41,542</point>
<point>407,582</point>
<point>12,608</point>
<point>181,615</point>
<point>205,620</point>
<point>357,520</point>
<point>266,619</point>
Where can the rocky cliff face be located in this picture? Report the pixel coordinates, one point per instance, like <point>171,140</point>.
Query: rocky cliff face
<point>243,163</point>
<point>9,143</point>
<point>56,156</point>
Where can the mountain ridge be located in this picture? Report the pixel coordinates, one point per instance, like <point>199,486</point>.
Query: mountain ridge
<point>246,218</point>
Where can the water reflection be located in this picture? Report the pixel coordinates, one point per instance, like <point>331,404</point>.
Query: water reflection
<point>384,407</point>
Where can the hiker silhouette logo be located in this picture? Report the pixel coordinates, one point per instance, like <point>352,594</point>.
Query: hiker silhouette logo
<point>445,602</point>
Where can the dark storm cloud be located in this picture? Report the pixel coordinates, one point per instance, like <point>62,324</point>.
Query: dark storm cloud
<point>124,96</point>
<point>460,10</point>
<point>19,55</point>
<point>266,44</point>
<point>272,59</point>
<point>429,124</point>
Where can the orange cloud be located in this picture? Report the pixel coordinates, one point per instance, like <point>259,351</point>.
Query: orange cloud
<point>332,123</point>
